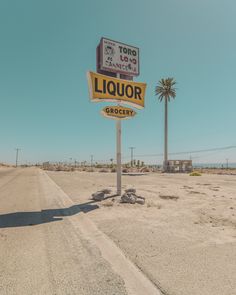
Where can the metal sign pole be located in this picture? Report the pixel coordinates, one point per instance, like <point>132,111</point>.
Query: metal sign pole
<point>118,153</point>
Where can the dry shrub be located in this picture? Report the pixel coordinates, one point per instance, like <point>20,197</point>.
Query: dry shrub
<point>103,170</point>
<point>59,168</point>
<point>113,170</point>
<point>195,173</point>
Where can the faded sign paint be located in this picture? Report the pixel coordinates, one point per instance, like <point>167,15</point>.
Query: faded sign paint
<point>119,58</point>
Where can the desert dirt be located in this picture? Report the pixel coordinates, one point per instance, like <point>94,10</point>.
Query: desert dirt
<point>183,238</point>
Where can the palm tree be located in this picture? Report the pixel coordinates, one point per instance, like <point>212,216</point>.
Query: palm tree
<point>165,89</point>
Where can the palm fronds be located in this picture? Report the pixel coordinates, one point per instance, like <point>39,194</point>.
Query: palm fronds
<point>165,89</point>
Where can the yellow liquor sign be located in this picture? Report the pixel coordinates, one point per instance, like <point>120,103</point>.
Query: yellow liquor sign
<point>118,112</point>
<point>105,88</point>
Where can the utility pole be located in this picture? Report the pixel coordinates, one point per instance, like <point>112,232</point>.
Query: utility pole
<point>17,153</point>
<point>132,155</point>
<point>227,163</point>
<point>91,160</point>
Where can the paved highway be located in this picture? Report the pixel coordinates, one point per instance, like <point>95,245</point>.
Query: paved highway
<point>40,250</point>
<point>49,246</point>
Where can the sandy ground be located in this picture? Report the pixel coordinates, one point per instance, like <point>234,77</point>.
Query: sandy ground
<point>183,238</point>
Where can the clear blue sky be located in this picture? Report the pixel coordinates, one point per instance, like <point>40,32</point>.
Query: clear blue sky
<point>48,45</point>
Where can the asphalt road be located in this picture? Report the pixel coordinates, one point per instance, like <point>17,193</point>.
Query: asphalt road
<point>49,246</point>
<point>41,252</point>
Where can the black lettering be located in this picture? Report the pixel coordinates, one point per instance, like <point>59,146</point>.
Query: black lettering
<point>96,86</point>
<point>128,93</point>
<point>111,88</point>
<point>104,86</point>
<point>120,49</point>
<point>120,89</point>
<point>137,92</point>
<point>134,52</point>
<point>107,110</point>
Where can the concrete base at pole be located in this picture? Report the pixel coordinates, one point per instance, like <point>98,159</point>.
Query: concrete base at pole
<point>118,156</point>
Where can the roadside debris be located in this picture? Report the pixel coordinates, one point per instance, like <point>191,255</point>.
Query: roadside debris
<point>131,197</point>
<point>101,195</point>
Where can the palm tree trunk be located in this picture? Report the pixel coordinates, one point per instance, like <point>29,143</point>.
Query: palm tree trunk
<point>166,136</point>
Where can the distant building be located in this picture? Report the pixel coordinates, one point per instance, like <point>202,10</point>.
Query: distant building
<point>178,166</point>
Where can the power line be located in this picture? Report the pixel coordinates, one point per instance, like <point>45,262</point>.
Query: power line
<point>189,152</point>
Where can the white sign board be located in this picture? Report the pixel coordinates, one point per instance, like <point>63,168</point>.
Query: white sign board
<point>119,58</point>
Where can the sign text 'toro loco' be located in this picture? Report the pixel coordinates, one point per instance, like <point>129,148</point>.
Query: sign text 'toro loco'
<point>118,57</point>
<point>105,88</point>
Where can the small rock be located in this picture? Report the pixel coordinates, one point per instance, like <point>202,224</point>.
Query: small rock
<point>140,201</point>
<point>98,196</point>
<point>128,198</point>
<point>106,191</point>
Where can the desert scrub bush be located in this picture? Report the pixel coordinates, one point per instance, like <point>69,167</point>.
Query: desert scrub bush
<point>195,173</point>
<point>99,166</point>
<point>113,170</point>
<point>104,170</point>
